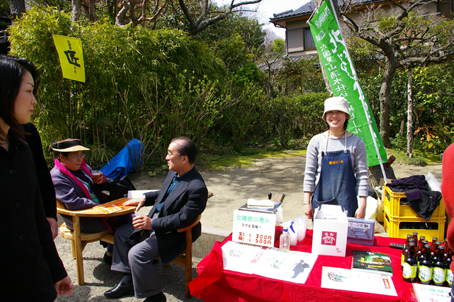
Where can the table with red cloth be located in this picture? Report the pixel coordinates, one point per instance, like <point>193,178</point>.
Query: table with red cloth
<point>213,283</point>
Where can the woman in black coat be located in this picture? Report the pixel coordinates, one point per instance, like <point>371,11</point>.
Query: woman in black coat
<point>31,269</point>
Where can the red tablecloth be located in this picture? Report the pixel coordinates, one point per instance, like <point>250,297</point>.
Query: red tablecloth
<point>215,284</point>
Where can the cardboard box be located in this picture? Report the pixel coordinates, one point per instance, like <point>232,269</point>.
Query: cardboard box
<point>330,231</point>
<point>361,231</point>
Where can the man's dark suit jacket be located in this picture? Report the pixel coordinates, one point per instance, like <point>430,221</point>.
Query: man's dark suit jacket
<point>180,209</point>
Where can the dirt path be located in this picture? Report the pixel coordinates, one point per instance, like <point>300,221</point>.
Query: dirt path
<point>231,188</point>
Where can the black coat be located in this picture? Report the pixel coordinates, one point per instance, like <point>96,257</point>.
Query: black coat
<point>180,209</point>
<point>42,171</point>
<point>29,261</point>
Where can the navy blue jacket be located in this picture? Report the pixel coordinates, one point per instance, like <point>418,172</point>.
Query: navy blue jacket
<point>181,208</point>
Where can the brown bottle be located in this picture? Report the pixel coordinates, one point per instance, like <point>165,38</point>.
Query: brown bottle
<point>439,276</point>
<point>425,266</point>
<point>410,266</point>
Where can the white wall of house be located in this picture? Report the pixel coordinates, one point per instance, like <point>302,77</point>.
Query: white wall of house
<point>297,32</point>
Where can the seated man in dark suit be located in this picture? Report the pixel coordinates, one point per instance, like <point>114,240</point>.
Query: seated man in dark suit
<point>180,201</point>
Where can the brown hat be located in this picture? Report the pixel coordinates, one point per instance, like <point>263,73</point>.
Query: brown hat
<point>69,145</point>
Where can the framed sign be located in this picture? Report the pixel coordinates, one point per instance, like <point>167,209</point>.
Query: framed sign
<point>254,228</point>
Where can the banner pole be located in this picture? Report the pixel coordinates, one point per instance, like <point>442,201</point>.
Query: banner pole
<point>369,122</point>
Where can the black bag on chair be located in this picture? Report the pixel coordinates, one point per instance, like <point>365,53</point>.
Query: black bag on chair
<point>118,188</point>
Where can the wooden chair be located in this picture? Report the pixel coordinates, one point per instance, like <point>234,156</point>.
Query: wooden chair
<point>79,240</point>
<point>185,259</point>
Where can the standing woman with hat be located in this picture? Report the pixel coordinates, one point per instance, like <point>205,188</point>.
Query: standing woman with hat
<point>336,165</point>
<point>77,187</point>
<point>31,269</point>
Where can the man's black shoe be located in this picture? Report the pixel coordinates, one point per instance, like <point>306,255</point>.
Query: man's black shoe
<point>156,298</point>
<point>107,259</point>
<point>119,290</point>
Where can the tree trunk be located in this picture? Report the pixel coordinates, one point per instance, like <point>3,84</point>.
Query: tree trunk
<point>403,125</point>
<point>120,18</point>
<point>92,9</point>
<point>75,13</point>
<point>375,174</point>
<point>410,113</point>
<point>17,8</point>
<point>385,99</point>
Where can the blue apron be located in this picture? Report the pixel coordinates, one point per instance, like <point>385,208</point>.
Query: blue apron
<point>337,182</point>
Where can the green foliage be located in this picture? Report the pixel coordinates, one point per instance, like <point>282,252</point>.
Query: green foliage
<point>4,11</point>
<point>296,117</point>
<point>126,93</point>
<point>402,158</point>
<point>244,114</point>
<point>236,24</point>
<point>298,76</point>
<point>278,46</point>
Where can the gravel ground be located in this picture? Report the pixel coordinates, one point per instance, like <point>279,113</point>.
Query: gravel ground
<point>231,189</point>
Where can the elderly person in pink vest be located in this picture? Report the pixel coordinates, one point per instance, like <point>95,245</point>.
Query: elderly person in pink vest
<point>78,189</point>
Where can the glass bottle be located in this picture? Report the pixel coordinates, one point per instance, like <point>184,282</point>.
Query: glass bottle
<point>439,268</point>
<point>448,261</point>
<point>425,266</point>
<point>410,265</point>
<point>433,245</point>
<point>284,241</point>
<point>420,248</point>
<point>405,249</point>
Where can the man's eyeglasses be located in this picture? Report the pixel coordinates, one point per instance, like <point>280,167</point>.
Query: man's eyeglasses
<point>170,154</point>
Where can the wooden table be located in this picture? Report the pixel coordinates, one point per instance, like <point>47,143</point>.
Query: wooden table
<point>110,209</point>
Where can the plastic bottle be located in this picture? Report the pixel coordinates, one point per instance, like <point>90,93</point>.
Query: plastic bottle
<point>293,234</point>
<point>302,227</point>
<point>284,240</point>
<point>410,267</point>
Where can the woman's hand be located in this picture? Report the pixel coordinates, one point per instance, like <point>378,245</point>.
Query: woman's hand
<point>53,226</point>
<point>361,211</point>
<point>307,205</point>
<point>101,178</point>
<point>308,211</point>
<point>64,286</point>
<point>139,202</point>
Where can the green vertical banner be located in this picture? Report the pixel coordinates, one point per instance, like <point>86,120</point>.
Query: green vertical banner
<point>343,80</point>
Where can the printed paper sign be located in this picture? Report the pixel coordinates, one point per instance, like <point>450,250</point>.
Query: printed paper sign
<point>329,238</point>
<point>254,228</point>
<point>345,279</point>
<point>71,57</point>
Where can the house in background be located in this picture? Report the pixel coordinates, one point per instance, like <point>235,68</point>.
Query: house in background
<point>299,39</point>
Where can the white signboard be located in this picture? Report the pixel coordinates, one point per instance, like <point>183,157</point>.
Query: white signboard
<point>254,228</point>
<point>346,279</point>
<point>289,266</point>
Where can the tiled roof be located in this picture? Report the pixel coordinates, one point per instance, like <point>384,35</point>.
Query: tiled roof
<point>307,9</point>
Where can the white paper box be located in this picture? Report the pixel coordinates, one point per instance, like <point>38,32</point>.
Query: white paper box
<point>330,231</point>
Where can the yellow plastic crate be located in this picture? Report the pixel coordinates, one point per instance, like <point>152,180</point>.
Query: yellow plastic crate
<point>395,204</point>
<point>399,227</point>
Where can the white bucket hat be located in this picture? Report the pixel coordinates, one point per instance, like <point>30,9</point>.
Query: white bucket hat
<point>336,103</point>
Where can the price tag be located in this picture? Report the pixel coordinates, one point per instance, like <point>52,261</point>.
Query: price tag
<point>254,228</point>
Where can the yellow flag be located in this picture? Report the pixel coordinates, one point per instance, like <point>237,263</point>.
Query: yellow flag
<point>71,57</point>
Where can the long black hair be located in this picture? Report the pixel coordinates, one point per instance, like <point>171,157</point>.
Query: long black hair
<point>12,70</point>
